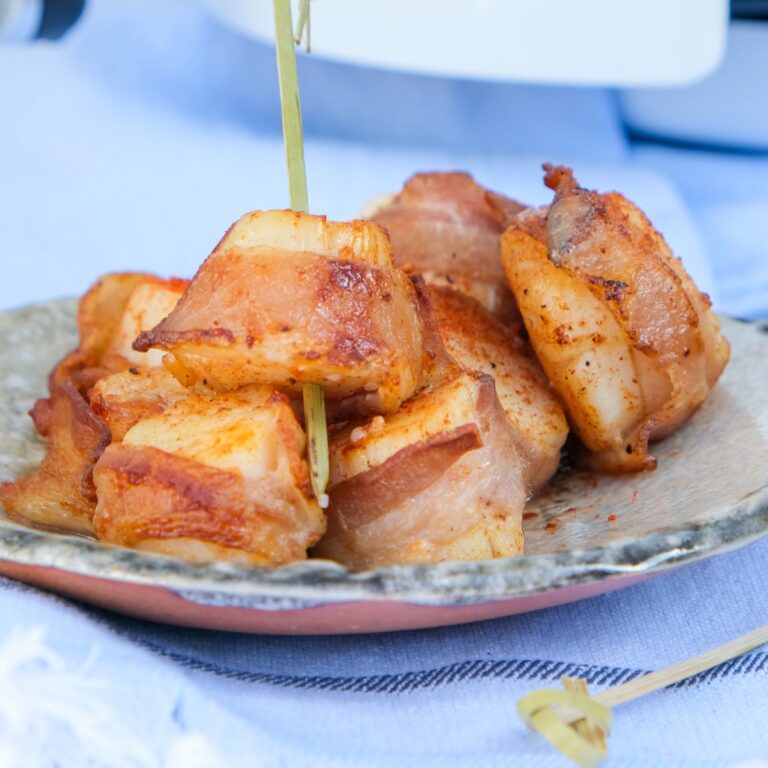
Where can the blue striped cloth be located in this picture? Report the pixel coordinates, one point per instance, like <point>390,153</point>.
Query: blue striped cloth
<point>441,697</point>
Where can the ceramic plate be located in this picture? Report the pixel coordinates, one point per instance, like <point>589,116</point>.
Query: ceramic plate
<point>586,535</point>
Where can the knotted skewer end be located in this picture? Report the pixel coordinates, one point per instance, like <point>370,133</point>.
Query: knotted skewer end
<point>571,720</point>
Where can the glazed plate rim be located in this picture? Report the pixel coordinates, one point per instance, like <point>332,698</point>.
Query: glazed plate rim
<point>317,582</point>
<point>321,582</point>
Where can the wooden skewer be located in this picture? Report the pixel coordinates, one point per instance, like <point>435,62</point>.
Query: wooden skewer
<point>586,742</point>
<point>653,681</point>
<point>290,105</point>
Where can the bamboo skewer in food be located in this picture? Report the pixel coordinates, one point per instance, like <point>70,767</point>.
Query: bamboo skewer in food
<point>314,400</point>
<point>577,723</point>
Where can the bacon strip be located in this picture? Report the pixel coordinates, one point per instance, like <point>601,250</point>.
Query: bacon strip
<point>447,227</point>
<point>150,499</point>
<point>60,494</point>
<point>363,498</point>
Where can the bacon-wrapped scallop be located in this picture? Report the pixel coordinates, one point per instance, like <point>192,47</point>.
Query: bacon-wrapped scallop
<point>440,479</point>
<point>110,315</point>
<point>288,298</point>
<point>211,477</point>
<point>447,227</point>
<point>628,341</point>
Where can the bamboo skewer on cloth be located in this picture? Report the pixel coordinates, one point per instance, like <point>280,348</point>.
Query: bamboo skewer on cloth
<point>577,723</point>
<point>314,400</point>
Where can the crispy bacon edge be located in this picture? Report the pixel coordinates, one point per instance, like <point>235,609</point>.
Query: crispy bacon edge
<point>60,494</point>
